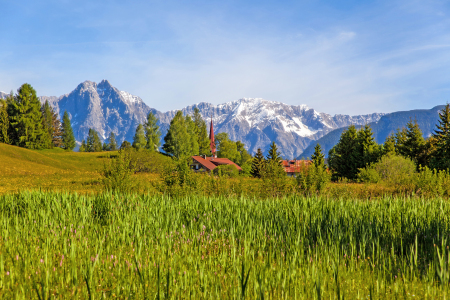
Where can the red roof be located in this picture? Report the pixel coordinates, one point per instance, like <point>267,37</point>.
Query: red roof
<point>295,166</point>
<point>211,163</point>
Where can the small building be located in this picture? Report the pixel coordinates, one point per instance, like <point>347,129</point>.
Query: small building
<point>207,164</point>
<point>293,167</point>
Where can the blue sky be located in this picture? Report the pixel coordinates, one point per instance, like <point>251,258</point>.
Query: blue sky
<point>347,57</point>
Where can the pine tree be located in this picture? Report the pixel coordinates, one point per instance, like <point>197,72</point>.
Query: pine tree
<point>47,123</point>
<point>152,133</point>
<point>57,130</point>
<point>94,144</point>
<point>125,145</point>
<point>25,119</point>
<point>112,143</point>
<point>441,156</point>
<point>342,158</point>
<point>68,140</point>
<point>139,140</point>
<point>258,163</point>
<point>318,158</point>
<point>192,133</point>
<point>367,151</point>
<point>83,147</point>
<point>177,138</point>
<point>412,142</point>
<point>389,146</point>
<point>4,122</point>
<point>273,166</point>
<point>202,133</point>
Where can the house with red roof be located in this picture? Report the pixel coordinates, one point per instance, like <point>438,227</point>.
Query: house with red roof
<point>207,164</point>
<point>294,167</point>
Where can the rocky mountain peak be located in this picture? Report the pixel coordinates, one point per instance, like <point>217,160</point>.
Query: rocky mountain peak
<point>254,121</point>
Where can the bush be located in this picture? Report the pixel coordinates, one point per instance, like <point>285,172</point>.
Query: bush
<point>117,173</point>
<point>229,171</point>
<point>391,169</point>
<point>313,179</point>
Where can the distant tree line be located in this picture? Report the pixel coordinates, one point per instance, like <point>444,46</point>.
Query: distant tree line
<point>357,149</point>
<point>25,122</point>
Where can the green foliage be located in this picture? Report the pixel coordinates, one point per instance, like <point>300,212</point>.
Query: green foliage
<point>391,169</point>
<point>227,148</point>
<point>47,123</point>
<point>4,122</point>
<point>177,141</point>
<point>410,142</point>
<point>367,151</point>
<point>318,158</point>
<point>25,119</point>
<point>245,157</point>
<point>93,143</point>
<point>125,145</point>
<point>193,137</point>
<point>83,147</point>
<point>258,163</point>
<point>202,133</point>
<point>229,171</point>
<point>111,144</point>
<point>152,133</point>
<point>441,157</point>
<point>342,158</point>
<point>68,139</point>
<point>388,148</point>
<point>139,141</point>
<point>117,172</point>
<point>313,178</point>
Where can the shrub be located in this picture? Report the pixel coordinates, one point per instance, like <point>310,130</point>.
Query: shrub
<point>117,173</point>
<point>229,171</point>
<point>313,179</point>
<point>391,169</point>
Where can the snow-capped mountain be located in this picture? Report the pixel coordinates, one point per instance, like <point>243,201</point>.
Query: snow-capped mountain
<point>256,122</point>
<point>3,95</point>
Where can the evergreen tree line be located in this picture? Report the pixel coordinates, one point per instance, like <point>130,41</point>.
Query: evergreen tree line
<point>357,149</point>
<point>270,166</point>
<point>25,122</point>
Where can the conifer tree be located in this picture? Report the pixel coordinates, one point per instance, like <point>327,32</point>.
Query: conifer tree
<point>47,123</point>
<point>412,142</point>
<point>318,158</point>
<point>273,165</point>
<point>202,133</point>
<point>342,158</point>
<point>139,140</point>
<point>68,140</point>
<point>389,146</point>
<point>94,144</point>
<point>258,163</point>
<point>152,133</point>
<point>367,150</point>
<point>177,138</point>
<point>441,156</point>
<point>112,143</point>
<point>57,130</point>
<point>125,145</point>
<point>25,119</point>
<point>83,147</point>
<point>4,122</point>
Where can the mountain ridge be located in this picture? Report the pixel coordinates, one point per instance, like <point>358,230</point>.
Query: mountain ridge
<point>254,121</point>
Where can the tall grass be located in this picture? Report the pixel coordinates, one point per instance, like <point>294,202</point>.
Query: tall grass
<point>154,247</point>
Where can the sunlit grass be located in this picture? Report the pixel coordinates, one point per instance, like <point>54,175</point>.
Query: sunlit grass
<point>129,246</point>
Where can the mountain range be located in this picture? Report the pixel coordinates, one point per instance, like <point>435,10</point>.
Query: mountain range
<point>254,121</point>
<point>385,126</point>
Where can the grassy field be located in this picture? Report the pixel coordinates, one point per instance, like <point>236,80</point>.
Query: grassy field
<point>146,247</point>
<point>55,170</point>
